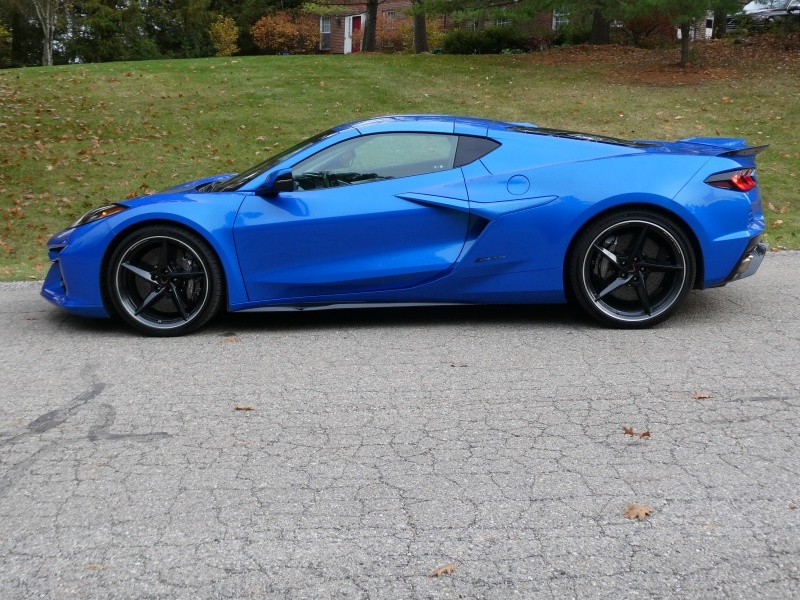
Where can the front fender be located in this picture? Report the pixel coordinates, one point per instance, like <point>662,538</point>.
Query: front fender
<point>209,215</point>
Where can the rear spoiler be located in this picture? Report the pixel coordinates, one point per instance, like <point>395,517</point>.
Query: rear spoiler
<point>729,146</point>
<point>751,151</point>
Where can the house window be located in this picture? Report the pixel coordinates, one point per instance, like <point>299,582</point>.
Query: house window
<point>324,33</point>
<point>390,18</point>
<point>560,18</point>
<point>501,22</point>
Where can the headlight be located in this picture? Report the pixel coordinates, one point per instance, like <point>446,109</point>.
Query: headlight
<point>99,213</point>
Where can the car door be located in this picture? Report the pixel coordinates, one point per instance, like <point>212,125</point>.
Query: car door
<point>373,213</point>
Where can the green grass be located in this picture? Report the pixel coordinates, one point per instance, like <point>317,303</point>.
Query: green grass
<point>79,136</point>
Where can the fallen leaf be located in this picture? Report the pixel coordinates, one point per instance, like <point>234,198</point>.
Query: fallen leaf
<point>701,396</point>
<point>637,511</point>
<point>793,506</point>
<point>31,318</point>
<point>234,338</point>
<point>627,430</point>
<point>457,364</point>
<point>243,408</point>
<point>644,434</point>
<point>445,570</point>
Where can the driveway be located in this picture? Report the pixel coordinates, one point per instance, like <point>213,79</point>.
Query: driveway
<point>378,446</point>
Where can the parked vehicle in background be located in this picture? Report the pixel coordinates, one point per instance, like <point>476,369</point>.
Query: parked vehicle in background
<point>761,13</point>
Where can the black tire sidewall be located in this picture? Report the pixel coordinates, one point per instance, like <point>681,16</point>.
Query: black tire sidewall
<point>579,294</point>
<point>199,246</point>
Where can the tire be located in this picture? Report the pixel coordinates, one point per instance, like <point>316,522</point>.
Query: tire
<point>632,269</point>
<point>165,281</point>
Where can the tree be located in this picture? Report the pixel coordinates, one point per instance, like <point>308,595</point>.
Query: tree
<point>285,31</point>
<point>420,27</point>
<point>5,46</point>
<point>368,41</point>
<point>180,27</point>
<point>109,30</point>
<point>601,28</point>
<point>26,35</point>
<point>224,34</point>
<point>47,14</point>
<point>686,14</point>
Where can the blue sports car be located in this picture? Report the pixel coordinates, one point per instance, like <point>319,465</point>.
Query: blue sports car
<point>425,209</point>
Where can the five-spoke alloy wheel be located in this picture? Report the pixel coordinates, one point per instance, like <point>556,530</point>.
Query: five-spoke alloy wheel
<point>165,281</point>
<point>632,269</point>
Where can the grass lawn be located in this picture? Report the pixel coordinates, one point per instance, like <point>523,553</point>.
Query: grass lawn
<point>79,136</point>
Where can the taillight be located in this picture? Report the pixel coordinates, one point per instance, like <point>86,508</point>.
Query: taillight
<point>741,180</point>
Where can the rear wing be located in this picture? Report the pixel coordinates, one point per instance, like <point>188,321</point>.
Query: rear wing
<point>725,146</point>
<point>751,151</point>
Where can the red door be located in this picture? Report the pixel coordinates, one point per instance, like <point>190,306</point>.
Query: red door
<point>356,27</point>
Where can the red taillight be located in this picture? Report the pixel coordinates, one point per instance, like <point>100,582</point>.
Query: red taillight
<point>741,180</point>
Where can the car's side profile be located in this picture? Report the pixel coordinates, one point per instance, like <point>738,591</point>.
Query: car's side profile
<point>421,209</point>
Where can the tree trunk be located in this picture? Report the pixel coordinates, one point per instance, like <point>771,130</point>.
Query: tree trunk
<point>720,24</point>
<point>686,30</point>
<point>47,53</point>
<point>370,30</point>
<point>46,13</point>
<point>420,33</point>
<point>601,29</point>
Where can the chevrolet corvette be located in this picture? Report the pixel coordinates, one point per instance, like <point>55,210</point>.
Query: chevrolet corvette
<point>425,209</point>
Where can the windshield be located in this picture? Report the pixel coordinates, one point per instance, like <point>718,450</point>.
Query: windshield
<point>237,181</point>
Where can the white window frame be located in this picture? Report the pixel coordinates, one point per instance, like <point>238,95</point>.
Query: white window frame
<point>324,33</point>
<point>560,18</point>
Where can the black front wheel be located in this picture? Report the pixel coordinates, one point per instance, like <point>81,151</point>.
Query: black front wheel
<point>632,269</point>
<point>165,281</point>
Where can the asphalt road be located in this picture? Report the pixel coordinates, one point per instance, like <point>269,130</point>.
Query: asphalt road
<point>382,445</point>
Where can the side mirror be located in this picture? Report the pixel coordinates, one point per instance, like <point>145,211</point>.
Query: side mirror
<point>280,181</point>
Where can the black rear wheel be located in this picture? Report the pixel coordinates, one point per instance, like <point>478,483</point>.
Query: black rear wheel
<point>165,281</point>
<point>632,269</point>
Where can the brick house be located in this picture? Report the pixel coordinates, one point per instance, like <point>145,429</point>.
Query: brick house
<point>340,34</point>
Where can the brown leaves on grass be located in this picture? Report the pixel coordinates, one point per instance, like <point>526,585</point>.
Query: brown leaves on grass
<point>637,511</point>
<point>445,570</point>
<point>713,61</point>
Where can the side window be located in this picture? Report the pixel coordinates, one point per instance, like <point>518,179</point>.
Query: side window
<point>472,148</point>
<point>375,158</point>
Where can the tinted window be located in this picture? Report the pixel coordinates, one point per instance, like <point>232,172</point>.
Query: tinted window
<point>375,158</point>
<point>473,148</point>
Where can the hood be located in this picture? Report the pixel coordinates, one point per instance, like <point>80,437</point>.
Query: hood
<point>191,186</point>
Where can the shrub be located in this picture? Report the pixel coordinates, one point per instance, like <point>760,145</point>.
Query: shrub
<point>649,31</point>
<point>572,35</point>
<point>224,33</point>
<point>397,35</point>
<point>5,46</point>
<point>286,32</point>
<point>784,34</point>
<point>492,40</point>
